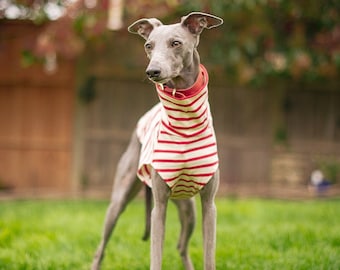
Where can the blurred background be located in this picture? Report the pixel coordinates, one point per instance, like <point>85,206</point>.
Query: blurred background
<point>72,87</point>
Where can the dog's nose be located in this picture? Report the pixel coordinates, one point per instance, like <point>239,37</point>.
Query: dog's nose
<point>153,73</point>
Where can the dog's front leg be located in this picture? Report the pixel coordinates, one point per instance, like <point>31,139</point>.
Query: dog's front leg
<point>209,221</point>
<point>161,195</point>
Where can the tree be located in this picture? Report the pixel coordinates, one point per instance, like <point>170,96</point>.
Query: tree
<point>298,40</point>
<point>260,40</point>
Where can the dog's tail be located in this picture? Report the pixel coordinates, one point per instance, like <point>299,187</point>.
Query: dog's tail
<point>148,206</point>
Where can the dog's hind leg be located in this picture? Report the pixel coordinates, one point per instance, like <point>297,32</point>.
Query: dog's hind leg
<point>187,216</point>
<point>125,188</point>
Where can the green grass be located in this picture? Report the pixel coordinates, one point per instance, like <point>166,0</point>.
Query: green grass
<point>251,234</point>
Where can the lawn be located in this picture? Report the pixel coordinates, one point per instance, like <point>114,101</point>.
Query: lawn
<point>252,234</point>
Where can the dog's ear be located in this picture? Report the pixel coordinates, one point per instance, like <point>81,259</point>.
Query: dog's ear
<point>144,27</point>
<point>197,21</point>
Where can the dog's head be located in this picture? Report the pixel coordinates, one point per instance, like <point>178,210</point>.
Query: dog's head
<point>171,48</point>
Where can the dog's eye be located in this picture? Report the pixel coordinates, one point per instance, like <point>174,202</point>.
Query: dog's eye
<point>176,43</point>
<point>148,46</point>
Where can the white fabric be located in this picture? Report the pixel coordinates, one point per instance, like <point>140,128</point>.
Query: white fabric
<point>178,141</point>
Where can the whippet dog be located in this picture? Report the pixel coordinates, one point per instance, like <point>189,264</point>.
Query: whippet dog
<point>173,149</point>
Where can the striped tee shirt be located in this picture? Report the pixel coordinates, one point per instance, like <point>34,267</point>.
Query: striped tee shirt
<point>178,139</point>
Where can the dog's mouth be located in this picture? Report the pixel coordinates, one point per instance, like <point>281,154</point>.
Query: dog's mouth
<point>159,80</point>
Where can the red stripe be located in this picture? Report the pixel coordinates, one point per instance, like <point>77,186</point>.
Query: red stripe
<point>189,190</point>
<point>190,186</point>
<point>184,151</point>
<point>183,111</point>
<point>191,127</point>
<point>184,160</point>
<point>190,175</point>
<point>145,167</point>
<point>184,180</point>
<point>147,170</point>
<point>183,190</point>
<point>188,118</point>
<point>178,193</point>
<point>181,105</point>
<point>184,142</point>
<point>188,168</point>
<point>183,134</point>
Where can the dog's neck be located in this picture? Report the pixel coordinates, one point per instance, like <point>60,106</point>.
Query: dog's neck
<point>188,75</point>
<point>200,83</point>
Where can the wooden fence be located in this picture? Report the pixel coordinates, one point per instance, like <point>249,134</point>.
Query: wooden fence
<point>54,139</point>
<point>265,138</point>
<point>36,116</point>
<point>273,136</point>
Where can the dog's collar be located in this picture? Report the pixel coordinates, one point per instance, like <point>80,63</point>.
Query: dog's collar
<point>201,82</point>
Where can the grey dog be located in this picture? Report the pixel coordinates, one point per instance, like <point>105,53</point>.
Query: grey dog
<point>174,67</point>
